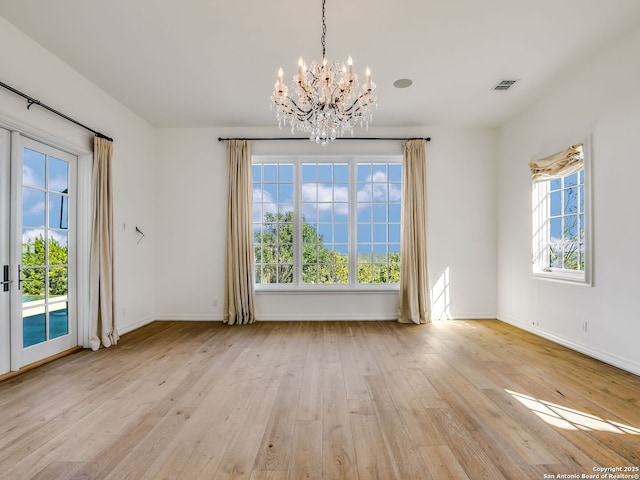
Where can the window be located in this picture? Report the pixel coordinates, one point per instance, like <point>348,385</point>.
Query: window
<point>327,221</point>
<point>561,216</point>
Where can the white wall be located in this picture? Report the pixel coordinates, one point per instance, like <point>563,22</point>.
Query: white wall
<point>598,96</point>
<point>191,202</point>
<point>31,69</point>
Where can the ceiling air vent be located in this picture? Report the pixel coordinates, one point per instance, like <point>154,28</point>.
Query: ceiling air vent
<point>505,85</point>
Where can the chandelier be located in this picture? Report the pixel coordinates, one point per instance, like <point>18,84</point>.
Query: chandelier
<point>329,101</point>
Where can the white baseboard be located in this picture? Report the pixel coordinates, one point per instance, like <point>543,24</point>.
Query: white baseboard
<point>307,317</point>
<point>189,317</point>
<point>130,327</point>
<point>601,355</point>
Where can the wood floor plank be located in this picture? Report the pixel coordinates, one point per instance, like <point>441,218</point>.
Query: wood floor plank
<point>306,451</point>
<point>288,400</point>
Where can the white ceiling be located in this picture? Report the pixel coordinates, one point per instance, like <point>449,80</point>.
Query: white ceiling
<point>207,63</point>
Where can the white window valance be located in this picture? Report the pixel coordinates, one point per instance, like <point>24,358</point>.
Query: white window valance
<point>560,164</point>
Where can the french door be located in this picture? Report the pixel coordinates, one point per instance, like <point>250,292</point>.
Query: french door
<point>40,268</point>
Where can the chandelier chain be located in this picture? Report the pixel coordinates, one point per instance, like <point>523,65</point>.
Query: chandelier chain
<point>324,29</point>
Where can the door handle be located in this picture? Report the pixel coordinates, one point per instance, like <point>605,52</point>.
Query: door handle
<point>5,278</point>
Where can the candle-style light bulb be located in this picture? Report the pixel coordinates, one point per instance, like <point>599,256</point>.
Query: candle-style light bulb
<point>349,64</point>
<point>300,66</point>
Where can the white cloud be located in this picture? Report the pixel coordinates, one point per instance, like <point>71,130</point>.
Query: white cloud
<point>32,234</point>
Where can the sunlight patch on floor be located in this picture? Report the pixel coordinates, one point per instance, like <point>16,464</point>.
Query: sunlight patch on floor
<point>570,419</point>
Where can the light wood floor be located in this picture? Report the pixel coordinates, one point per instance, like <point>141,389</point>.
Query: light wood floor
<point>367,400</point>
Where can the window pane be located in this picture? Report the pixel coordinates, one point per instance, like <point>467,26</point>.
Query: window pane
<point>581,193</point>
<point>394,232</point>
<point>341,173</point>
<point>395,173</point>
<point>571,200</point>
<point>285,173</point>
<point>555,184</point>
<point>309,173</point>
<point>571,227</point>
<point>285,211</point>
<point>325,173</point>
<point>395,192</point>
<point>310,212</point>
<point>365,273</point>
<point>325,213</point>
<point>380,173</point>
<point>270,192</point>
<point>394,212</point>
<point>556,203</point>
<point>270,173</point>
<point>309,192</point>
<point>365,192</point>
<point>309,273</point>
<point>380,213</point>
<point>364,232</point>
<point>341,233</point>
<point>571,180</point>
<point>324,232</point>
<point>364,213</point>
<point>555,255</point>
<point>571,256</point>
<point>364,172</point>
<point>256,173</point>
<point>285,192</point>
<point>556,229</point>
<point>341,212</point>
<point>380,192</point>
<point>380,232</point>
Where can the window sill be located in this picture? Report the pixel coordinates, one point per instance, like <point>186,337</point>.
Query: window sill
<point>563,277</point>
<point>329,289</point>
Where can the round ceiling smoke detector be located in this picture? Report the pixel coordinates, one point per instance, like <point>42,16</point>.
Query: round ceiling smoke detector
<point>403,83</point>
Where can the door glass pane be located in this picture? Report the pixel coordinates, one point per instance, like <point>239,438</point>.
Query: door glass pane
<point>58,175</point>
<point>58,211</point>
<point>33,208</point>
<point>58,320</point>
<point>33,249</point>
<point>33,169</point>
<point>58,249</point>
<point>58,283</point>
<point>32,285</point>
<point>34,326</point>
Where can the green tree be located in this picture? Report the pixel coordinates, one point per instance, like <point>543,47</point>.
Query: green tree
<point>274,257</point>
<point>33,267</point>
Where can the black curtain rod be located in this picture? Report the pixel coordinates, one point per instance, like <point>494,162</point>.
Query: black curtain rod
<point>32,101</point>
<point>261,139</point>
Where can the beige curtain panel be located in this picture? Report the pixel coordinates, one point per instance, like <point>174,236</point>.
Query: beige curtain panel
<point>239,267</point>
<point>566,162</point>
<point>415,298</point>
<point>101,291</point>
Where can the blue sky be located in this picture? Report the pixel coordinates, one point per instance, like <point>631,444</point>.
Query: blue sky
<point>34,196</point>
<point>325,197</point>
